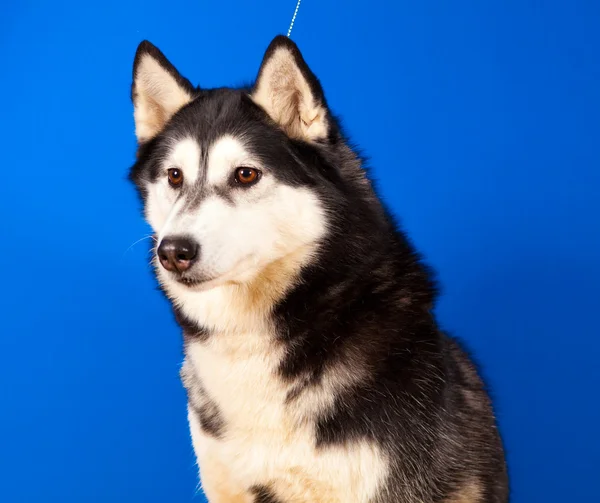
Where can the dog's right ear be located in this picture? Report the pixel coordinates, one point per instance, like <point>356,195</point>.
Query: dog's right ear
<point>157,92</point>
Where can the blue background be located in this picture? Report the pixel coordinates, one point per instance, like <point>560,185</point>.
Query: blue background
<point>482,120</point>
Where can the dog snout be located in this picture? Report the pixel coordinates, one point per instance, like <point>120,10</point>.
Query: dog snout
<point>177,254</point>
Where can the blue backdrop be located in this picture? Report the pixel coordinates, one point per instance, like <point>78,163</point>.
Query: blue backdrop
<point>482,120</point>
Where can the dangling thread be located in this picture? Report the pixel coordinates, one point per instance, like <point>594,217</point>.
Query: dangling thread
<point>293,19</point>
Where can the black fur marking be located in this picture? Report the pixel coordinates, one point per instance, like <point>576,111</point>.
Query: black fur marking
<point>262,494</point>
<point>210,418</point>
<point>191,330</point>
<point>362,308</point>
<point>207,411</point>
<point>224,193</point>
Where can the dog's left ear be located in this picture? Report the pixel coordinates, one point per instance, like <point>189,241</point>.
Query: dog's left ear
<point>290,93</point>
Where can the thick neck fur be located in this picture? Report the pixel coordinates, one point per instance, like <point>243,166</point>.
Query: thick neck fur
<point>364,275</point>
<point>342,306</point>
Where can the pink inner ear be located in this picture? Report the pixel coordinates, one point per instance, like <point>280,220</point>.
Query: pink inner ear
<point>314,117</point>
<point>309,122</point>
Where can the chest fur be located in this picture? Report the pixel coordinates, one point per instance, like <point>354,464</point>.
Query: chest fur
<point>264,439</point>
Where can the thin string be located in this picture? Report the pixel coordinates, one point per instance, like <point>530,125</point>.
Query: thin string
<point>293,19</point>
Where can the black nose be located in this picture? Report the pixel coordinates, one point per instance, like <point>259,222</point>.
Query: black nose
<point>177,254</point>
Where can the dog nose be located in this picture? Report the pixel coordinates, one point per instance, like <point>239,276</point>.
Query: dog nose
<point>177,254</point>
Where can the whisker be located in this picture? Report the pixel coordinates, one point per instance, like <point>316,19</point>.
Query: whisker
<point>149,236</point>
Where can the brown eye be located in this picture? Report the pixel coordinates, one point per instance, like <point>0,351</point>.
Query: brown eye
<point>247,176</point>
<point>175,177</point>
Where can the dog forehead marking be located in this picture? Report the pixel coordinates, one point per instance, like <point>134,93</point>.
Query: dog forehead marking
<point>226,154</point>
<point>185,155</point>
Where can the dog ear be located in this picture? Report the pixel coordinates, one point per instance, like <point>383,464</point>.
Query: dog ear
<point>157,92</point>
<point>290,93</point>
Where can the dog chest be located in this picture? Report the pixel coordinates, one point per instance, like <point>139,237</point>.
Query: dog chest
<point>265,441</point>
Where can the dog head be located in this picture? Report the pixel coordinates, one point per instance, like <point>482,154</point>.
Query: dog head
<point>240,184</point>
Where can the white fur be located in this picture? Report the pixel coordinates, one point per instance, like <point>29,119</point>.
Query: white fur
<point>225,155</point>
<point>162,205</point>
<point>186,157</point>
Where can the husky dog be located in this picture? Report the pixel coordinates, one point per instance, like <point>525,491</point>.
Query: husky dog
<point>314,366</point>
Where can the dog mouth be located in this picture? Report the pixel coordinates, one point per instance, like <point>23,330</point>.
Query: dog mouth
<point>200,281</point>
<point>192,282</point>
